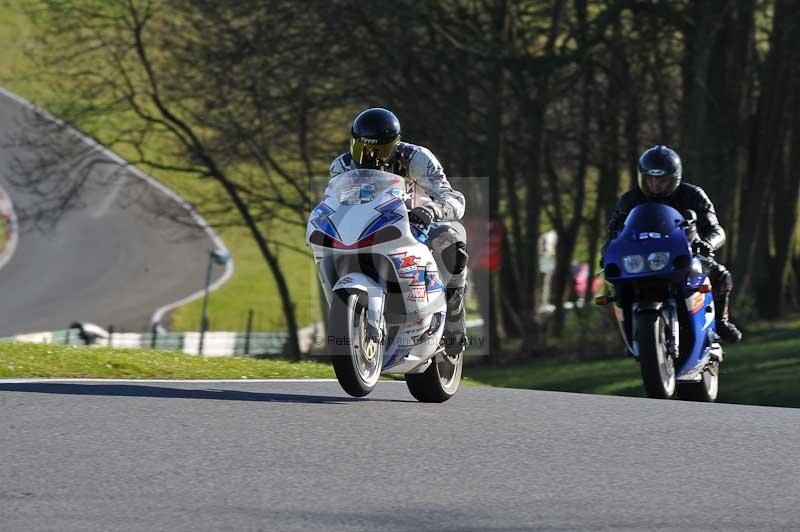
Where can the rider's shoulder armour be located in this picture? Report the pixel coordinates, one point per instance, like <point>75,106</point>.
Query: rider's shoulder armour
<point>402,161</point>
<point>341,164</point>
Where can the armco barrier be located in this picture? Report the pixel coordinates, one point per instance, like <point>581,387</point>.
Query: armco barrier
<point>214,343</point>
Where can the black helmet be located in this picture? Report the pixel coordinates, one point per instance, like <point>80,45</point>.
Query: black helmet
<point>659,172</point>
<point>376,133</point>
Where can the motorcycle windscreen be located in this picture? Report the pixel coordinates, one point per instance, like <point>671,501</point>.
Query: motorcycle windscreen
<point>652,218</point>
<point>362,186</point>
<point>649,228</point>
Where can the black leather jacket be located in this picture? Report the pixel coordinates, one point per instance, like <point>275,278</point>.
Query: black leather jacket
<point>685,197</point>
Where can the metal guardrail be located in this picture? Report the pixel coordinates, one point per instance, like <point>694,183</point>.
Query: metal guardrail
<point>214,343</point>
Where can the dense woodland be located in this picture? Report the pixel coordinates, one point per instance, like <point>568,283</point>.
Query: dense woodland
<point>549,103</point>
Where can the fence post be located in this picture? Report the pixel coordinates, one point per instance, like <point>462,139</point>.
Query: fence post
<point>110,334</point>
<point>154,336</point>
<point>66,336</point>
<point>249,331</point>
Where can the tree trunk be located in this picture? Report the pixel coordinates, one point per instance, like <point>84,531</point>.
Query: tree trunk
<point>293,343</point>
<point>717,72</point>
<point>769,136</point>
<point>533,213</point>
<point>784,217</point>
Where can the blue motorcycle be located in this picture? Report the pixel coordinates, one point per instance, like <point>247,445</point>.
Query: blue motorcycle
<point>663,303</point>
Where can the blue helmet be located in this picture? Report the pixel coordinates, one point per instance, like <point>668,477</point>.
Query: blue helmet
<point>660,172</point>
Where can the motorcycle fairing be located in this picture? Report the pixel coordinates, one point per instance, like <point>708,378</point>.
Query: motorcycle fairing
<point>387,216</point>
<point>352,223</point>
<point>703,328</point>
<point>320,218</point>
<point>375,295</point>
<point>635,240</point>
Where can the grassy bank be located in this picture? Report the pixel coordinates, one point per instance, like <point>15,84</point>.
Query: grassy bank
<point>47,360</point>
<point>762,370</point>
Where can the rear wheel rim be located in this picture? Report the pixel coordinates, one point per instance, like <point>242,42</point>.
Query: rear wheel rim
<point>711,383</point>
<point>448,369</point>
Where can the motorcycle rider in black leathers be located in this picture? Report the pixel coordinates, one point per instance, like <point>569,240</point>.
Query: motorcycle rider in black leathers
<point>375,144</point>
<point>660,175</point>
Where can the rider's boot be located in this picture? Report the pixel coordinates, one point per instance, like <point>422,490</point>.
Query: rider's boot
<point>455,332</point>
<point>725,328</point>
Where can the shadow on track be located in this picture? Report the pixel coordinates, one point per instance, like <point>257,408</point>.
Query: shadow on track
<point>136,390</point>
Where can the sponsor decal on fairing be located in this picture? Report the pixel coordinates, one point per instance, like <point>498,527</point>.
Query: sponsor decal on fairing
<point>418,293</point>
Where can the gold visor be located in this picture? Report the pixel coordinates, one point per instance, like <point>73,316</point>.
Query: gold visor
<point>367,155</point>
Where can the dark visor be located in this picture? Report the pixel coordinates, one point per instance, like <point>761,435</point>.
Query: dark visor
<point>365,154</point>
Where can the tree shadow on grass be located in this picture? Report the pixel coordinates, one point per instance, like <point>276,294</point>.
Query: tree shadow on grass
<point>137,390</point>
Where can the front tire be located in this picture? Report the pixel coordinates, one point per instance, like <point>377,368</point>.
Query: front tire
<point>658,367</point>
<point>357,360</point>
<point>439,382</point>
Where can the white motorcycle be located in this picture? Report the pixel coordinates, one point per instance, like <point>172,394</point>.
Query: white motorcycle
<point>386,296</point>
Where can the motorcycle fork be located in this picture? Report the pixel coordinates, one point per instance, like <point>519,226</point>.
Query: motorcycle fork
<point>672,333</point>
<point>673,329</point>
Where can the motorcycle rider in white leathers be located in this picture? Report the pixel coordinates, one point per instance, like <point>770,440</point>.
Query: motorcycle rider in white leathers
<point>375,144</point>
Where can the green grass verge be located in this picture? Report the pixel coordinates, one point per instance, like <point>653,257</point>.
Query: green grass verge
<point>762,370</point>
<point>57,361</point>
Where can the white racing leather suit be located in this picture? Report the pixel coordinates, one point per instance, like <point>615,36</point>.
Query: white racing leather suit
<point>428,186</point>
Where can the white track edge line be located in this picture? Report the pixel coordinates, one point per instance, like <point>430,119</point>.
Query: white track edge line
<point>188,381</point>
<point>45,380</point>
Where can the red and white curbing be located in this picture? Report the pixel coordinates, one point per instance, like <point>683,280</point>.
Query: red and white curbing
<point>8,217</point>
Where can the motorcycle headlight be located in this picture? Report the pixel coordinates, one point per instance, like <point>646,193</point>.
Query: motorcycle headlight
<point>633,263</point>
<point>657,261</point>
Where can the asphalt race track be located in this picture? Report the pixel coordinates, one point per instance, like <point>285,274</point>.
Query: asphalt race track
<point>288,456</point>
<point>108,259</point>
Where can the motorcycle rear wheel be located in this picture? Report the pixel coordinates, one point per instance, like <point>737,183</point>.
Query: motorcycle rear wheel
<point>658,367</point>
<point>704,391</point>
<point>357,360</point>
<point>439,382</point>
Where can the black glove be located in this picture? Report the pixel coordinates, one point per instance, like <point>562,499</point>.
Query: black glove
<point>421,217</point>
<point>701,247</point>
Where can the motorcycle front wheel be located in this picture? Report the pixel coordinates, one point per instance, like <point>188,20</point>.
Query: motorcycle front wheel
<point>357,358</point>
<point>658,367</point>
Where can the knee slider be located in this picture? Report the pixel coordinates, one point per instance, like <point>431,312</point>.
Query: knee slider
<point>455,257</point>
